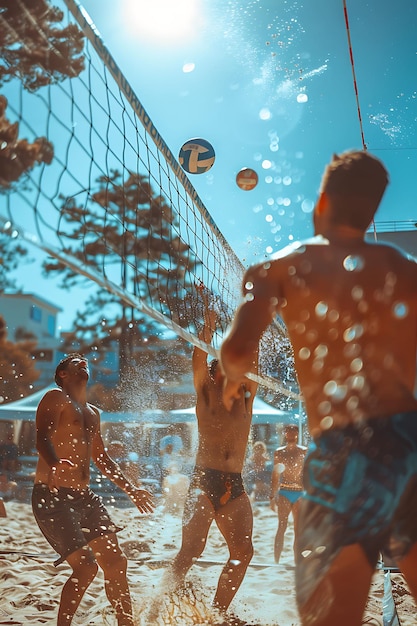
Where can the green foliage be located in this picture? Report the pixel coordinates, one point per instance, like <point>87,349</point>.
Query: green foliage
<point>17,368</point>
<point>33,45</point>
<point>18,156</point>
<point>11,254</point>
<point>127,230</point>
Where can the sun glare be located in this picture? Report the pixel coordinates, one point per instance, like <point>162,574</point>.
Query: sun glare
<point>165,20</point>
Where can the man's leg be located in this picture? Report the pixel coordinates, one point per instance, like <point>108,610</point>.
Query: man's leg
<point>197,519</point>
<point>235,522</point>
<point>114,565</point>
<point>84,570</point>
<point>295,514</point>
<point>340,597</point>
<point>283,511</point>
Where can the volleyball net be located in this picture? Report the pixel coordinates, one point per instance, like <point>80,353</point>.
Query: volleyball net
<point>86,177</point>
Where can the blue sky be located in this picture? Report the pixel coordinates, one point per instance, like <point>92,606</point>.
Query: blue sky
<point>269,83</point>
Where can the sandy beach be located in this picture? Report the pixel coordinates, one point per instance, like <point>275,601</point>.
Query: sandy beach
<point>30,585</point>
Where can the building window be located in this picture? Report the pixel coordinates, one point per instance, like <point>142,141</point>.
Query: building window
<point>35,313</point>
<point>51,325</point>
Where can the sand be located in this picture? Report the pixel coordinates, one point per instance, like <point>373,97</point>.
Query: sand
<point>30,585</point>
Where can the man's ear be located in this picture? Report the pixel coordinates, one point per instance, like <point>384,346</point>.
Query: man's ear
<point>322,203</point>
<point>62,374</point>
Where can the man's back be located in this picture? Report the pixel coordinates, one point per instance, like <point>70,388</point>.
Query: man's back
<point>351,312</point>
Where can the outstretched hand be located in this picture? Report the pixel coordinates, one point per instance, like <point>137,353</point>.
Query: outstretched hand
<point>142,499</point>
<point>232,390</point>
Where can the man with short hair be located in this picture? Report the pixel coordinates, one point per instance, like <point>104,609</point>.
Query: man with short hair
<point>350,307</point>
<point>216,491</point>
<point>71,517</point>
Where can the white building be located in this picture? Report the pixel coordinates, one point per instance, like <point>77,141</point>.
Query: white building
<point>27,315</point>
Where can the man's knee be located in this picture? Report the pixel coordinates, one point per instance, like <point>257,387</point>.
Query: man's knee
<point>84,573</point>
<point>243,553</point>
<point>113,563</point>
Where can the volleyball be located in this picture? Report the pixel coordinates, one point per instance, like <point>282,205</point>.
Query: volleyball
<point>246,179</point>
<point>196,156</point>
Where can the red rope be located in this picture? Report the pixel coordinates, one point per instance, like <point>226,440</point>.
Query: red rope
<point>355,86</point>
<point>352,63</point>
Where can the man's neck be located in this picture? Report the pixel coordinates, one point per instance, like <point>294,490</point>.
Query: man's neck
<point>77,394</point>
<point>341,232</point>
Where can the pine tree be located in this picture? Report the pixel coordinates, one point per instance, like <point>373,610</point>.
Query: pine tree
<point>127,229</point>
<point>33,45</point>
<point>17,368</point>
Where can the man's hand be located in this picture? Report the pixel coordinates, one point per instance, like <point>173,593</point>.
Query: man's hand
<point>55,471</point>
<point>142,499</point>
<point>232,390</point>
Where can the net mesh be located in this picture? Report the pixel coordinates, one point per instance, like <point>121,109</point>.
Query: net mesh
<point>86,177</point>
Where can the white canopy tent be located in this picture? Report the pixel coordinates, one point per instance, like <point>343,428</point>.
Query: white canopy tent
<point>263,413</point>
<point>25,409</point>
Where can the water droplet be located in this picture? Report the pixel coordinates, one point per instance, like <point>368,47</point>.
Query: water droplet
<point>353,263</point>
<point>356,365</point>
<point>321,309</point>
<point>304,354</point>
<point>326,422</point>
<point>353,332</point>
<point>330,387</point>
<point>400,309</point>
<point>357,293</point>
<point>321,351</point>
<point>324,407</point>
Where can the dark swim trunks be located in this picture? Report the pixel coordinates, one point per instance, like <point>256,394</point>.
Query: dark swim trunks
<point>70,519</point>
<point>361,488</point>
<point>219,487</point>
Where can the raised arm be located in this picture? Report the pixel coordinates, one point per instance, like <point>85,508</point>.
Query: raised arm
<point>141,498</point>
<point>239,350</point>
<point>200,356</point>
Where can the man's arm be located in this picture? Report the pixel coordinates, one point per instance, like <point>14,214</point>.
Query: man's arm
<point>199,355</point>
<point>239,349</point>
<point>107,466</point>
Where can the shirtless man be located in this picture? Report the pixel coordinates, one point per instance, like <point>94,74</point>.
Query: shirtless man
<point>350,307</point>
<point>287,485</point>
<point>216,490</point>
<point>71,517</point>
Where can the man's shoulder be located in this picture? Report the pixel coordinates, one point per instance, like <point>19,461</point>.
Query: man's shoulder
<point>94,408</point>
<point>279,451</point>
<point>54,398</point>
<point>391,249</point>
<point>294,248</point>
<point>54,393</point>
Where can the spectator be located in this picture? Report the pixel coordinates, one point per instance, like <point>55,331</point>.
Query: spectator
<point>9,454</point>
<point>259,475</point>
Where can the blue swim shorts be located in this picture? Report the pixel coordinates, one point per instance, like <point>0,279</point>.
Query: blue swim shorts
<point>361,488</point>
